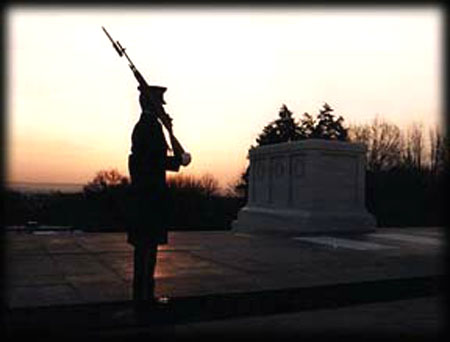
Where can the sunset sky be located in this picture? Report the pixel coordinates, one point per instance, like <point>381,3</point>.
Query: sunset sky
<point>72,102</point>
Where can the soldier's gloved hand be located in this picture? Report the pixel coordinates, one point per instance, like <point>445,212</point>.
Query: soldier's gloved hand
<point>186,159</point>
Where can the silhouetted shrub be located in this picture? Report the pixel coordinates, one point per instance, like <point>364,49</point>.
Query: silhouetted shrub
<point>196,203</point>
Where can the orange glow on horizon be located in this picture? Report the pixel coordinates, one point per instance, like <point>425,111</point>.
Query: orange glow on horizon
<point>72,102</point>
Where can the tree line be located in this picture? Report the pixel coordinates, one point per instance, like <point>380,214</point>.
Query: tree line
<point>405,172</point>
<point>405,178</point>
<point>196,204</point>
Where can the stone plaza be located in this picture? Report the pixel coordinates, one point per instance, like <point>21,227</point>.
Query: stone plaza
<point>224,281</point>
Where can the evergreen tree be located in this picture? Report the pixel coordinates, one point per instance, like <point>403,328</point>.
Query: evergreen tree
<point>328,127</point>
<point>280,130</point>
<point>307,126</point>
<point>285,129</point>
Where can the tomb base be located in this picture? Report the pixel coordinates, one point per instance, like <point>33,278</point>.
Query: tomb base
<point>297,222</point>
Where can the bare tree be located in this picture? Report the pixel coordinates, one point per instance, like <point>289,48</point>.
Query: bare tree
<point>206,185</point>
<point>209,185</point>
<point>183,182</point>
<point>105,179</point>
<point>414,146</point>
<point>383,141</point>
<point>437,151</point>
<point>238,187</point>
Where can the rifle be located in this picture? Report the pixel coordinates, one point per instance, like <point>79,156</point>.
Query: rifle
<point>162,115</point>
<point>120,50</point>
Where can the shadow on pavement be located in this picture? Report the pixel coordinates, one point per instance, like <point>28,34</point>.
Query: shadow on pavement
<point>119,317</point>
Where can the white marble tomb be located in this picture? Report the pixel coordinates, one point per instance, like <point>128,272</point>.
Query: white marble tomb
<point>307,186</point>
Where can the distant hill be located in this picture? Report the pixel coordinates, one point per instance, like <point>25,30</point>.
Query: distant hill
<point>44,187</point>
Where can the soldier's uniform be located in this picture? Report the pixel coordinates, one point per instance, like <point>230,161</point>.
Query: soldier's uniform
<point>147,165</point>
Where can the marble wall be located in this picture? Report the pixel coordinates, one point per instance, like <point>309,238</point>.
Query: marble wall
<point>306,186</point>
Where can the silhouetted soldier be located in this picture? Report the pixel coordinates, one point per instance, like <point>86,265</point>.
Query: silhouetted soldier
<point>148,163</point>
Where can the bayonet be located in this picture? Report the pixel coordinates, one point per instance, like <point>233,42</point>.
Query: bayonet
<point>163,116</point>
<point>119,48</point>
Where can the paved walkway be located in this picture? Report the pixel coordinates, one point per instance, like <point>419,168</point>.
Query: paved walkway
<point>76,269</point>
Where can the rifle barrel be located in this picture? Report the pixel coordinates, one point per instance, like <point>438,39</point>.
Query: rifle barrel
<point>119,50</point>
<point>125,54</point>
